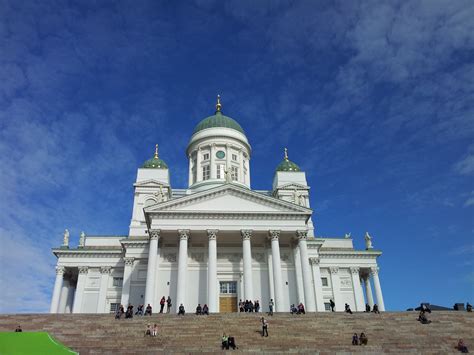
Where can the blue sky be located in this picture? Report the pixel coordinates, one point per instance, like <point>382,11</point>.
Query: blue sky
<point>373,99</point>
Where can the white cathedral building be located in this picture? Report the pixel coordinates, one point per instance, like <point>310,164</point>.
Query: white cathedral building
<point>216,241</point>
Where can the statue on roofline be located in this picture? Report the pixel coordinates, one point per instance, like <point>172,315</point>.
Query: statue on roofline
<point>82,239</point>
<point>347,235</point>
<point>66,238</point>
<point>368,241</point>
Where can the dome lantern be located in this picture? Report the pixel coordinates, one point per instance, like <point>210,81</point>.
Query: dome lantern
<point>287,164</point>
<point>155,162</point>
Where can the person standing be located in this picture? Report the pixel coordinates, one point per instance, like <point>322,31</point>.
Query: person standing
<point>270,306</point>
<point>168,305</point>
<point>332,304</point>
<point>264,327</point>
<point>162,304</point>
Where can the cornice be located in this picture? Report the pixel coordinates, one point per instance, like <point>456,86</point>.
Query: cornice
<point>354,254</point>
<point>80,253</point>
<point>228,215</point>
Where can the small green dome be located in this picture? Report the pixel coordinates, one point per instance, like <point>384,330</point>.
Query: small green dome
<point>287,164</point>
<point>155,162</point>
<point>218,120</point>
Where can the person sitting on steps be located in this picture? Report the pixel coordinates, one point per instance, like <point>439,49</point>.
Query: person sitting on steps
<point>181,310</point>
<point>148,330</point>
<point>199,309</point>
<point>468,307</point>
<point>225,342</point>
<point>155,330</point>
<point>205,310</point>
<point>367,307</point>
<point>376,309</point>
<point>18,329</point>
<point>301,309</point>
<point>347,308</point>
<point>462,347</point>
<point>139,311</point>
<point>422,318</point>
<point>231,343</point>
<point>363,339</point>
<point>148,310</point>
<point>293,309</point>
<point>355,339</point>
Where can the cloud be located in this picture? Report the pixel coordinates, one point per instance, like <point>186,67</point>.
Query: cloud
<point>466,165</point>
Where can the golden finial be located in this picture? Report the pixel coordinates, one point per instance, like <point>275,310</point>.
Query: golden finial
<point>286,154</point>
<point>156,151</point>
<point>218,105</point>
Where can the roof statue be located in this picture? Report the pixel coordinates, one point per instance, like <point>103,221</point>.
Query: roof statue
<point>218,105</point>
<point>82,239</point>
<point>368,241</point>
<point>66,238</point>
<point>228,176</point>
<point>347,235</point>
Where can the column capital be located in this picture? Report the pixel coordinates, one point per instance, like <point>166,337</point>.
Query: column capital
<point>183,234</point>
<point>83,269</point>
<point>128,261</point>
<point>212,234</point>
<point>334,269</point>
<point>105,270</point>
<point>314,260</point>
<point>355,270</point>
<point>302,234</point>
<point>60,270</point>
<point>154,233</point>
<point>274,234</point>
<point>246,234</point>
<point>374,270</point>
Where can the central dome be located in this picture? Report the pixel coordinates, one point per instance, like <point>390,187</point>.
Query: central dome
<point>218,120</point>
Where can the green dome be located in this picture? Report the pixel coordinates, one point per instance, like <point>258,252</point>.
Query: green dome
<point>218,120</point>
<point>287,165</point>
<point>155,162</point>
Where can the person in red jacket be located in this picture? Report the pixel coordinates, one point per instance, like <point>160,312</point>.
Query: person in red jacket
<point>162,304</point>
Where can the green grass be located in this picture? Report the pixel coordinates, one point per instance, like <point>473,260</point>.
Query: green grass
<point>27,343</point>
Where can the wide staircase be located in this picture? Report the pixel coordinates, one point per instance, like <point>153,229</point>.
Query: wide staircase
<point>396,332</point>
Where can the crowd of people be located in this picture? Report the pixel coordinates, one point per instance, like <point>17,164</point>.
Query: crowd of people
<point>249,306</point>
<point>297,309</point>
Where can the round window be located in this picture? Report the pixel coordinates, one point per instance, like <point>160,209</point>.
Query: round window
<point>220,154</point>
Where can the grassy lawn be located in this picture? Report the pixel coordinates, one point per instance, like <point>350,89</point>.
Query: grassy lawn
<point>26,343</point>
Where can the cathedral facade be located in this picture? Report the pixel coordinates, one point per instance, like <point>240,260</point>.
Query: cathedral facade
<point>217,241</point>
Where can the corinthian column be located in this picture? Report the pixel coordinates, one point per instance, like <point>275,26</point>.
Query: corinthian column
<point>212,271</point>
<point>81,283</point>
<point>336,288</point>
<point>277,279</point>
<point>151,268</point>
<point>247,255</point>
<point>127,276</point>
<point>308,289</point>
<point>378,290</point>
<point>358,294</point>
<point>368,290</point>
<point>182,267</point>
<point>58,284</point>
<point>104,283</point>
<point>318,284</point>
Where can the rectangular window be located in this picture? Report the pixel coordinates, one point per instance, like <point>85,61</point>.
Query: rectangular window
<point>327,306</point>
<point>228,287</point>
<point>234,157</point>
<point>235,173</point>
<point>118,281</point>
<point>114,307</point>
<point>324,281</point>
<point>206,172</point>
<point>220,171</point>
<point>205,156</point>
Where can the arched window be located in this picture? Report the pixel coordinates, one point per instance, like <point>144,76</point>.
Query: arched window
<point>150,202</point>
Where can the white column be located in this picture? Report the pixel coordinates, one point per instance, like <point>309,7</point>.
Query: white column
<point>212,272</point>
<point>104,285</point>
<point>190,177</point>
<point>227,157</point>
<point>318,284</point>
<point>64,296</point>
<point>79,294</point>
<point>368,291</point>
<point>270,273</point>
<point>247,255</point>
<point>70,298</point>
<point>151,268</point>
<point>358,294</point>
<point>58,285</point>
<point>212,160</point>
<point>378,289</point>
<point>336,288</point>
<point>308,287</point>
<point>182,267</point>
<point>277,279</point>
<point>198,166</point>
<point>299,275</point>
<point>127,276</point>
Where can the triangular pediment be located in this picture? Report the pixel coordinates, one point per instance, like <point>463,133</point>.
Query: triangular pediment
<point>292,186</point>
<point>150,183</point>
<point>229,198</point>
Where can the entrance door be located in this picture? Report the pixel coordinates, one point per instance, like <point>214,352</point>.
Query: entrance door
<point>228,296</point>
